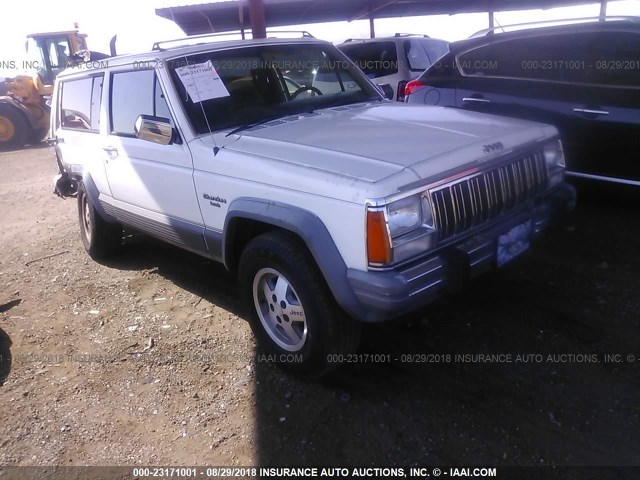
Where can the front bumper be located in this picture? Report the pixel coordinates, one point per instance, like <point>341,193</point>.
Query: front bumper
<point>383,295</point>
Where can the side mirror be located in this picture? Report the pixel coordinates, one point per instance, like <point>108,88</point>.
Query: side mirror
<point>154,129</point>
<point>387,90</point>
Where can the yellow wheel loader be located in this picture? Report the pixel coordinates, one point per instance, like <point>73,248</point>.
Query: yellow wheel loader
<point>24,113</point>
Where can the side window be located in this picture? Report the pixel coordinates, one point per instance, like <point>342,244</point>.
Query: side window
<point>80,104</point>
<point>525,58</point>
<point>576,58</point>
<point>131,96</point>
<point>615,59</point>
<point>416,55</point>
<point>436,49</point>
<point>422,52</point>
<point>59,52</point>
<point>331,80</point>
<point>135,93</point>
<point>375,59</point>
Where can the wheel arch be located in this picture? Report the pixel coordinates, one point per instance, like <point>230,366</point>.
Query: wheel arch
<point>250,217</point>
<point>94,195</point>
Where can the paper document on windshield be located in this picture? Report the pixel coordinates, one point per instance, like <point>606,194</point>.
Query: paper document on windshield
<point>202,82</point>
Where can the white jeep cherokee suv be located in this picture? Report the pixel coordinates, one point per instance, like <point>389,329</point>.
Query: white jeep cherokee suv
<point>333,205</point>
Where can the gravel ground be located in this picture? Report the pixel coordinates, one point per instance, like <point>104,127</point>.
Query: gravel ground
<point>147,360</point>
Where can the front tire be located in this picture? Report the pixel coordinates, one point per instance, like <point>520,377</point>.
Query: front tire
<point>99,237</point>
<point>293,315</point>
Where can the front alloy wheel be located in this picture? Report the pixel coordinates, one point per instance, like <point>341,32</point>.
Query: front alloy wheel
<point>294,316</point>
<point>279,309</point>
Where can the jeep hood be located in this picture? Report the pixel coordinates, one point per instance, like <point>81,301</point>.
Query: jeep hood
<point>372,142</point>
<point>366,151</point>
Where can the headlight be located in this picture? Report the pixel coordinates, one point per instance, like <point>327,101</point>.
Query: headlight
<point>404,215</point>
<point>553,154</point>
<point>554,158</point>
<point>400,230</point>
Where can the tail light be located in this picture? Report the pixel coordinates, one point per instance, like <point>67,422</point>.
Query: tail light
<point>413,86</point>
<point>401,89</point>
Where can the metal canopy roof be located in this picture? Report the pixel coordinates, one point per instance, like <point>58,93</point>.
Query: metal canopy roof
<point>224,16</point>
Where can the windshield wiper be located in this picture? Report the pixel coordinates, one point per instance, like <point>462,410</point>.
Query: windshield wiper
<point>248,126</point>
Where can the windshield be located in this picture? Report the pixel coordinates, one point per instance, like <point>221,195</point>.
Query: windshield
<point>232,88</point>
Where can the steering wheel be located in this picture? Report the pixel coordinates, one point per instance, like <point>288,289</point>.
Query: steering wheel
<point>304,89</point>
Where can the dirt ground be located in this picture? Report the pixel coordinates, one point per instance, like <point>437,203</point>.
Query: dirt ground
<point>146,359</point>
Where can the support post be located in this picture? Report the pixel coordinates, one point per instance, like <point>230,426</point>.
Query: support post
<point>491,16</point>
<point>603,10</point>
<point>372,29</point>
<point>241,18</point>
<point>258,23</point>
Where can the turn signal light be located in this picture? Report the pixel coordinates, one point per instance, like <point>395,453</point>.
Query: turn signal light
<point>378,242</point>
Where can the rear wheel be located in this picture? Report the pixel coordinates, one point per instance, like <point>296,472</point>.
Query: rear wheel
<point>100,238</point>
<point>14,128</point>
<point>294,316</point>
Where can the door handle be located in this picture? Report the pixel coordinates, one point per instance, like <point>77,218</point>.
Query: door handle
<point>111,151</point>
<point>590,112</point>
<point>474,99</point>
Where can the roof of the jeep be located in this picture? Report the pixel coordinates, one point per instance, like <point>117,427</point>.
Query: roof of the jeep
<point>179,51</point>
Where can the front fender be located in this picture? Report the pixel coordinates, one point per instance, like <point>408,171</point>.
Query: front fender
<point>305,225</point>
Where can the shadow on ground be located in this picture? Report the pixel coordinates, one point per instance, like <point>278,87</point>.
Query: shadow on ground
<point>526,367</point>
<point>5,307</point>
<point>5,356</point>
<point>200,276</point>
<point>529,366</point>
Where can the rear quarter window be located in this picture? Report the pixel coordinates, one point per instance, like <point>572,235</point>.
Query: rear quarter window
<point>80,104</point>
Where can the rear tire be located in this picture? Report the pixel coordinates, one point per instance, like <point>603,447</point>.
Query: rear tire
<point>100,238</point>
<point>14,128</point>
<point>293,314</point>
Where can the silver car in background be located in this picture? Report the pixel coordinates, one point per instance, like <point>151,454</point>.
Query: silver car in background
<point>395,60</point>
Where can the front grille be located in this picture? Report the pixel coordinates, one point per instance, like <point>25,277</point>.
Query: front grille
<point>471,201</point>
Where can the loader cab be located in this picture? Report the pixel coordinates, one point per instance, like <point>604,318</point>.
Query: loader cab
<point>50,53</point>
